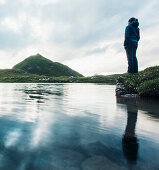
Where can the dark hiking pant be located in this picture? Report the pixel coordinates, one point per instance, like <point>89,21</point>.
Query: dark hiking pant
<point>132,60</point>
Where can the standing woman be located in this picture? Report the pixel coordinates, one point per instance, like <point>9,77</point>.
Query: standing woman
<point>132,36</point>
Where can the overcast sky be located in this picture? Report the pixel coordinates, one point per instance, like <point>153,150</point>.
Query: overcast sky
<point>86,35</point>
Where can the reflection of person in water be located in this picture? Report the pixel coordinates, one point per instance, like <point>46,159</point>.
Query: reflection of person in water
<point>129,140</point>
<point>130,144</point>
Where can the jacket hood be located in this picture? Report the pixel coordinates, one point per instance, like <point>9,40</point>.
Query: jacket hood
<point>135,24</point>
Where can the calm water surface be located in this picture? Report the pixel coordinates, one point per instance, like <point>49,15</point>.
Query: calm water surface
<point>76,127</point>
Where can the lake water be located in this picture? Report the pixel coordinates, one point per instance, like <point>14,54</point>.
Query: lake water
<point>76,127</point>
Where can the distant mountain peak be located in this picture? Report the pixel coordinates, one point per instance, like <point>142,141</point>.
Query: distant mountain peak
<point>37,64</point>
<point>38,55</point>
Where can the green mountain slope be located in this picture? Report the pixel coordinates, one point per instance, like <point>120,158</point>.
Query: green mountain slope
<point>40,65</point>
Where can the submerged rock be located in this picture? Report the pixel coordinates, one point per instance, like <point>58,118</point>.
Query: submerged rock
<point>100,163</point>
<point>121,91</point>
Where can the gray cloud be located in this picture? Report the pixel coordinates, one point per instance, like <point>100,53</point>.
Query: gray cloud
<point>96,50</point>
<point>87,22</point>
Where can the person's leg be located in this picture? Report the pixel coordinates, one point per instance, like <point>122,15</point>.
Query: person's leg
<point>129,53</point>
<point>135,62</point>
<point>135,65</point>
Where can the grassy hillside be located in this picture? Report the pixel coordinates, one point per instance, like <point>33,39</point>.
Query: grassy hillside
<point>145,83</point>
<point>39,65</point>
<point>16,76</point>
<point>20,76</point>
<point>109,79</point>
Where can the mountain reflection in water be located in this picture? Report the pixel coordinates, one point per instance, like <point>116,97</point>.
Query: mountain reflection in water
<point>76,127</point>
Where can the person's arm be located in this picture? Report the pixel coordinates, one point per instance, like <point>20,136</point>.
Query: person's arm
<point>138,34</point>
<point>127,35</point>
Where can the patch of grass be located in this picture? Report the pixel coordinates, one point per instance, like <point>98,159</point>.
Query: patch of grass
<point>145,83</point>
<point>149,88</point>
<point>98,79</point>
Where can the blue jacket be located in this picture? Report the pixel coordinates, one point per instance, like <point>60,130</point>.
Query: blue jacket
<point>132,34</point>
